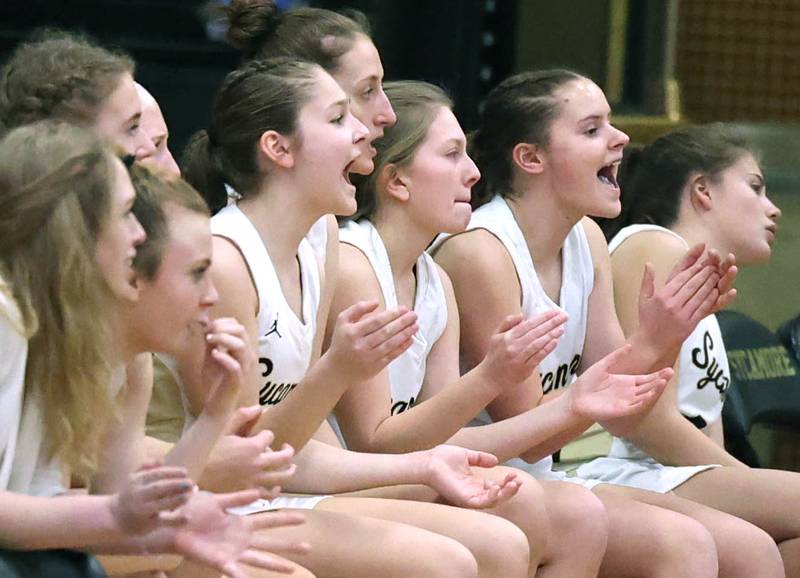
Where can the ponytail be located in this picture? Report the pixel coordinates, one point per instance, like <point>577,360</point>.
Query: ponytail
<point>200,170</point>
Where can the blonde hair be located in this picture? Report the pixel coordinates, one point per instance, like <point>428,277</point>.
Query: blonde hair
<point>55,190</point>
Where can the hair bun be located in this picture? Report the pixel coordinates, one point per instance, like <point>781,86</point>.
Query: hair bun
<point>249,21</point>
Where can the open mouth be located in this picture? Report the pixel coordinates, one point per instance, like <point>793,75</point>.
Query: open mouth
<point>608,175</point>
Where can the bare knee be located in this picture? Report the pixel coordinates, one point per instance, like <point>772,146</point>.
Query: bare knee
<point>504,550</point>
<point>576,516</point>
<point>528,511</point>
<point>746,550</point>
<point>446,558</point>
<point>684,548</point>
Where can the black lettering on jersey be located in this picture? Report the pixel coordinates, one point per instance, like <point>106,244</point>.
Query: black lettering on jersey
<point>268,366</point>
<point>273,393</point>
<point>697,421</point>
<point>702,358</point>
<point>401,406</point>
<point>562,376</point>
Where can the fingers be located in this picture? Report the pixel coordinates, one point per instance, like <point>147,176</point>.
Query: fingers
<point>243,420</point>
<point>172,518</point>
<point>614,357</point>
<point>508,489</point>
<point>266,561</point>
<point>356,311</point>
<point>689,260</point>
<point>399,325</point>
<point>274,520</point>
<point>234,499</point>
<point>703,299</point>
<point>648,287</point>
<point>481,459</point>
<point>152,475</point>
<point>279,545</point>
<point>509,322</point>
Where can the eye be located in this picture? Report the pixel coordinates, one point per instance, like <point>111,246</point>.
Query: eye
<point>133,128</point>
<point>368,92</point>
<point>338,120</point>
<point>592,131</point>
<point>199,272</point>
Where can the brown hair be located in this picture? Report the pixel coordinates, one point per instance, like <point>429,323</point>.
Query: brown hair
<point>154,191</point>
<point>262,95</point>
<point>58,75</point>
<point>259,30</point>
<point>55,190</point>
<point>417,105</point>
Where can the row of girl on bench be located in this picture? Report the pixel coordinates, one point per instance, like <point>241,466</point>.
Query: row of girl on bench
<point>514,338</point>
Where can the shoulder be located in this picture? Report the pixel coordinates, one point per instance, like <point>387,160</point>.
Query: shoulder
<point>356,275</point>
<point>232,277</point>
<point>478,249</point>
<point>660,248</point>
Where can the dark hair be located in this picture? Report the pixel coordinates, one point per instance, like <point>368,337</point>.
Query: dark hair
<point>155,190</point>
<point>417,104</point>
<point>262,95</point>
<point>259,30</point>
<point>520,109</point>
<point>58,75</point>
<point>652,178</point>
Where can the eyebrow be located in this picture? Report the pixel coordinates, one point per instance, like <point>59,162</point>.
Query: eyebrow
<point>758,176</point>
<point>594,117</point>
<point>342,103</point>
<point>371,78</point>
<point>135,118</point>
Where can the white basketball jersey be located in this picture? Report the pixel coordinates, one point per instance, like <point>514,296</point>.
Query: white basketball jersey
<point>285,341</point>
<point>703,371</point>
<point>407,372</point>
<point>561,366</point>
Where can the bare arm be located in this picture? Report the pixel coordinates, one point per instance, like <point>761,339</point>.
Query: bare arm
<point>664,433</point>
<point>446,402</point>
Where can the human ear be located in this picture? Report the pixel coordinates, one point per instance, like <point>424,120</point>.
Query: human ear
<point>394,182</point>
<point>528,157</point>
<point>277,148</point>
<point>700,192</point>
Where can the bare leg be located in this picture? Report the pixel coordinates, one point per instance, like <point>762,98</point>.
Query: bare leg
<point>769,499</point>
<point>192,570</point>
<point>652,542</point>
<point>500,548</point>
<point>578,532</point>
<point>743,550</point>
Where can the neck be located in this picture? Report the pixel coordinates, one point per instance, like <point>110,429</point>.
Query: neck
<point>544,222</point>
<point>281,219</point>
<point>127,342</point>
<point>404,240</point>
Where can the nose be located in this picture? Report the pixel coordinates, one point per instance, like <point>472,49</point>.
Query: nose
<point>210,297</point>
<point>144,146</point>
<point>773,211</point>
<point>360,132</point>
<point>384,116</point>
<point>474,175</point>
<point>169,163</point>
<point>137,231</point>
<point>620,139</point>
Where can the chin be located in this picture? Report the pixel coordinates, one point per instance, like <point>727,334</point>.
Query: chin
<point>362,166</point>
<point>609,211</point>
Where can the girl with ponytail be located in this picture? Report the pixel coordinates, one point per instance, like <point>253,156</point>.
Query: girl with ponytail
<point>550,153</point>
<point>700,184</point>
<point>282,136</point>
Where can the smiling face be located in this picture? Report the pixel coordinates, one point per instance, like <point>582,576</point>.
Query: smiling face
<point>584,151</point>
<point>119,235</point>
<point>360,74</point>
<point>175,303</point>
<point>119,120</point>
<point>329,139</point>
<point>742,219</point>
<point>440,176</point>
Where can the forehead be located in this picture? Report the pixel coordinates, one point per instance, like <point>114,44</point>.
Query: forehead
<point>122,103</point>
<point>362,61</point>
<point>152,122</point>
<point>746,163</point>
<point>581,98</point>
<point>123,190</point>
<point>444,127</point>
<point>326,92</point>
<point>189,234</point>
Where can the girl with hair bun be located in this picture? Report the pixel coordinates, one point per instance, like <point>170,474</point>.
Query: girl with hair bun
<point>283,137</point>
<point>549,155</point>
<point>701,184</point>
<point>339,42</point>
